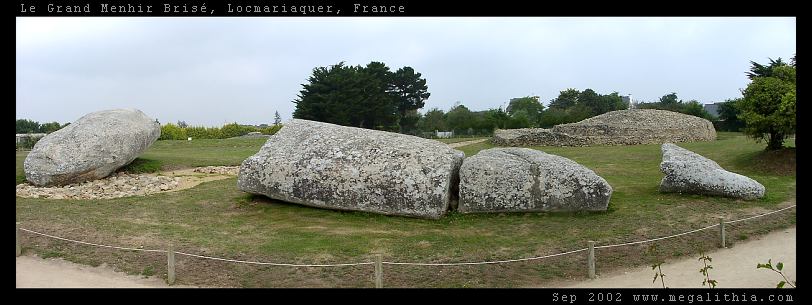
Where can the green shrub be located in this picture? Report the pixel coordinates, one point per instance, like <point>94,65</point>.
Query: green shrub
<point>172,132</point>
<point>234,130</point>
<point>197,132</point>
<point>271,129</point>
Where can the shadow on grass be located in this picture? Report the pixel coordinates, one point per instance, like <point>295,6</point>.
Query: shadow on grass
<point>775,162</point>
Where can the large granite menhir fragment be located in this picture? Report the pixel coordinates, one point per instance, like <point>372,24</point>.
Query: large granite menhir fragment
<point>528,180</point>
<point>688,172</point>
<point>91,148</point>
<point>346,168</point>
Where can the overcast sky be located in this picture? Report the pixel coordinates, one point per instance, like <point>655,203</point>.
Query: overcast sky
<point>208,71</point>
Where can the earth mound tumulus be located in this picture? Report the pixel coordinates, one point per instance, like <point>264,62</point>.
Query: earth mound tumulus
<point>622,127</point>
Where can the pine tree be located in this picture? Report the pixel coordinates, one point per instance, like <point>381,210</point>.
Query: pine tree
<point>277,119</point>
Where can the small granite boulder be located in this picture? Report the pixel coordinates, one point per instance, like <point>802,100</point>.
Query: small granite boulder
<point>528,180</point>
<point>91,148</point>
<point>688,172</point>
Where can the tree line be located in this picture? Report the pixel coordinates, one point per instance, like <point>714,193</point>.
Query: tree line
<point>29,126</point>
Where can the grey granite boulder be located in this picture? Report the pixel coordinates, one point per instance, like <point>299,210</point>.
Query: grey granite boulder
<point>90,148</point>
<point>688,172</point>
<point>525,180</point>
<point>346,168</point>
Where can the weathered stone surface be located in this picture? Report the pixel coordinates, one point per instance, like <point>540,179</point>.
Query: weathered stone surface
<point>688,172</point>
<point>525,180</point>
<point>345,168</point>
<point>622,127</point>
<point>91,148</point>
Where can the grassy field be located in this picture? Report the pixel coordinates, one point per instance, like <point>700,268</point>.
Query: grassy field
<point>217,219</point>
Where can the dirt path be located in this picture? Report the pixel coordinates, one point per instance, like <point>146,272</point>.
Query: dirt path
<point>460,144</point>
<point>734,267</point>
<point>35,272</point>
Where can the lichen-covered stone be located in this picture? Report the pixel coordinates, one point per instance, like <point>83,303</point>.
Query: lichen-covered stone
<point>525,180</point>
<point>688,172</point>
<point>622,127</point>
<point>346,168</point>
<point>90,148</point>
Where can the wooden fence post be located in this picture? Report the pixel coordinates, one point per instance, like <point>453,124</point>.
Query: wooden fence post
<point>170,264</point>
<point>722,230</point>
<point>591,259</point>
<point>19,247</point>
<point>378,271</point>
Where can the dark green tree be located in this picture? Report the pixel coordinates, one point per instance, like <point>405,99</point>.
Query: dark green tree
<point>27,126</point>
<point>670,99</point>
<point>378,102</point>
<point>411,92</point>
<point>729,116</point>
<point>368,97</point>
<point>460,119</point>
<point>519,119</point>
<point>694,108</point>
<point>530,106</point>
<point>768,107</point>
<point>495,118</point>
<point>50,127</point>
<point>565,99</point>
<point>759,70</point>
<point>590,100</point>
<point>277,119</point>
<point>433,120</point>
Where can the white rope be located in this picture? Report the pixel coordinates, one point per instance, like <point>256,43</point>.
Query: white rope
<point>92,244</point>
<point>414,264</point>
<point>483,263</point>
<point>693,231</point>
<point>656,239</point>
<point>757,216</point>
<point>273,264</point>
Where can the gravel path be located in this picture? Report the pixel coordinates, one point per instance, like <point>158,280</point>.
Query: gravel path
<point>35,272</point>
<point>460,144</point>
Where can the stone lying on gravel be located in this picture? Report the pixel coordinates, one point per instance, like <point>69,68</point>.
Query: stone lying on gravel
<point>222,170</point>
<point>524,180</point>
<point>622,127</point>
<point>115,186</point>
<point>90,148</point>
<point>346,168</point>
<point>688,172</point>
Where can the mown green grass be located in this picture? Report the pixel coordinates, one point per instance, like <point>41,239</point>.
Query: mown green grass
<point>217,219</point>
<point>141,165</point>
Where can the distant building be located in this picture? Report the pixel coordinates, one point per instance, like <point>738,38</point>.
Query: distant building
<point>444,134</point>
<point>627,100</point>
<point>31,136</point>
<point>713,109</point>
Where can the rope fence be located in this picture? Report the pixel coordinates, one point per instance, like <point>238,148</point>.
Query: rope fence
<point>379,262</point>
